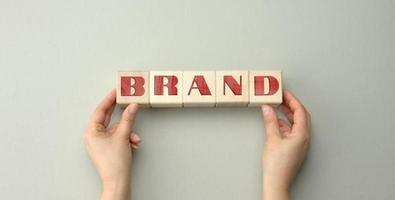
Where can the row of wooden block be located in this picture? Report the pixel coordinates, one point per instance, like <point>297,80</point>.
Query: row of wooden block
<point>199,88</point>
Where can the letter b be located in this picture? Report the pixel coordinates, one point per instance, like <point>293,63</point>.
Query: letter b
<point>132,86</point>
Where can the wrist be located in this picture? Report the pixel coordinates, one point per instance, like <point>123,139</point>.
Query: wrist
<point>116,190</point>
<point>274,190</point>
<point>270,194</point>
<point>273,193</point>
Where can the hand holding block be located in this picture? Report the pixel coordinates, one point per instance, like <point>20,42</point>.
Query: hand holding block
<point>265,88</point>
<point>166,88</point>
<point>232,88</point>
<point>133,87</point>
<point>199,88</point>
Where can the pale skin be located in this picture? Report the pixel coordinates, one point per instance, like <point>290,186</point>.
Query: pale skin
<point>111,147</point>
<point>285,148</point>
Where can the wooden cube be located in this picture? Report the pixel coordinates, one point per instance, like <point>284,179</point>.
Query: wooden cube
<point>166,88</point>
<point>265,88</point>
<point>133,87</point>
<point>199,88</point>
<point>232,88</point>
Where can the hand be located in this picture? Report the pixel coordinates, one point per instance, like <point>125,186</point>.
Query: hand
<point>110,148</point>
<point>285,146</point>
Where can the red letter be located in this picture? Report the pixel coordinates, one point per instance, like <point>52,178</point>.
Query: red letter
<point>137,85</point>
<point>171,85</point>
<point>259,83</point>
<point>232,84</point>
<point>201,85</point>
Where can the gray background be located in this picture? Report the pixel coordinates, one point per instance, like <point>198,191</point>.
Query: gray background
<point>58,59</point>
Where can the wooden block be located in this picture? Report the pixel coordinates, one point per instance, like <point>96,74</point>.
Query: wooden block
<point>232,88</point>
<point>265,88</point>
<point>199,88</point>
<point>166,88</point>
<point>133,87</point>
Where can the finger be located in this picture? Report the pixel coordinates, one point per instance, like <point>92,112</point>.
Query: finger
<point>287,112</point>
<point>284,126</point>
<point>300,119</point>
<point>104,109</point>
<point>271,122</point>
<point>127,120</point>
<point>134,146</point>
<point>108,116</point>
<point>135,139</point>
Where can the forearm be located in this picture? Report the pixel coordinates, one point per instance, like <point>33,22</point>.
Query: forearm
<point>275,195</point>
<point>116,191</point>
<point>273,192</point>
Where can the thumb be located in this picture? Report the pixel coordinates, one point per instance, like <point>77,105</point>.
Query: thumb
<point>271,123</point>
<point>127,120</point>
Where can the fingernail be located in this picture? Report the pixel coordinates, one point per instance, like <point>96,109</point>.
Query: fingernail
<point>133,109</point>
<point>266,109</point>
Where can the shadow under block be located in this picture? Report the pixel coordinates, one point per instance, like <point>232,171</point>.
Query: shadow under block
<point>133,87</point>
<point>199,88</point>
<point>265,88</point>
<point>232,88</point>
<point>166,88</point>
